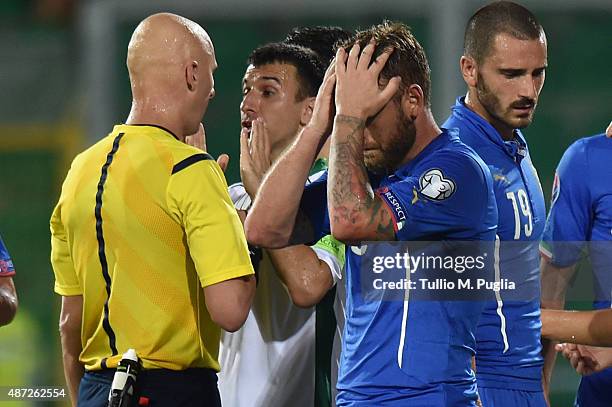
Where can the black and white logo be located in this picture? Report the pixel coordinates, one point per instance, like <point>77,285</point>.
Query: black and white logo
<point>435,186</point>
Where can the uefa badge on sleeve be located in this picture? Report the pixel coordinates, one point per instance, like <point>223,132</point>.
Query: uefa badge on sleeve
<point>435,186</point>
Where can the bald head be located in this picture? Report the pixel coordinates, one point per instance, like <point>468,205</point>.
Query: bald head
<point>170,61</point>
<point>163,40</point>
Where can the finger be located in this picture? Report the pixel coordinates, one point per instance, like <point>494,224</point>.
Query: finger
<point>327,87</point>
<point>256,130</point>
<point>245,155</point>
<point>331,69</point>
<point>265,141</point>
<point>559,347</point>
<point>353,56</point>
<point>340,65</point>
<point>389,91</point>
<point>380,61</point>
<point>223,161</point>
<point>366,55</point>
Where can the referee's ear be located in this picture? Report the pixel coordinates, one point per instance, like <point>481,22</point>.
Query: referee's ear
<point>469,70</point>
<point>191,75</point>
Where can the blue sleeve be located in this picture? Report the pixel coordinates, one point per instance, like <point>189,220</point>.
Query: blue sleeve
<point>570,216</point>
<point>446,196</point>
<point>314,206</point>
<point>6,264</point>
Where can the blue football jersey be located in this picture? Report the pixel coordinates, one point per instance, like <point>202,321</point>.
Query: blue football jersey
<point>580,220</point>
<point>508,337</point>
<point>6,264</point>
<point>394,352</point>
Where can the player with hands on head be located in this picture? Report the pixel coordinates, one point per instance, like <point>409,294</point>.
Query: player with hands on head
<point>384,140</point>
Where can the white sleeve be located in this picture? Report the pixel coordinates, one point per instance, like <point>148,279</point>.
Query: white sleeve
<point>240,198</point>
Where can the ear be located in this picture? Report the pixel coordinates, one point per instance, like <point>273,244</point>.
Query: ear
<point>307,110</point>
<point>191,75</point>
<point>469,70</point>
<point>413,101</point>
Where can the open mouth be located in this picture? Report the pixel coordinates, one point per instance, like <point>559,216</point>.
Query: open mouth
<point>246,123</point>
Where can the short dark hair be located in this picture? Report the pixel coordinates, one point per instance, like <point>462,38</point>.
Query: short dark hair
<point>321,39</point>
<point>496,18</point>
<point>310,69</point>
<point>408,59</point>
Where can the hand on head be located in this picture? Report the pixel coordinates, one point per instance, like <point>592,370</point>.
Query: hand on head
<point>324,108</point>
<point>358,90</point>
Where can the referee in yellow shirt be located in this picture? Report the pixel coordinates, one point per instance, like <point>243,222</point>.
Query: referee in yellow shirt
<point>147,249</point>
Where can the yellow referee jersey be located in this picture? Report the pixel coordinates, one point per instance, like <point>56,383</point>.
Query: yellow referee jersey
<point>143,222</point>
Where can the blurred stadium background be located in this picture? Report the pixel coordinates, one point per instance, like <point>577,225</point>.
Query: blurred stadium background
<point>64,84</point>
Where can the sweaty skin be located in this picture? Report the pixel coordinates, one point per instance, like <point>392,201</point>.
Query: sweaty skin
<point>160,48</point>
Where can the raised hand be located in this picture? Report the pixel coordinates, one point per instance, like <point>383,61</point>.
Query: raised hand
<point>254,156</point>
<point>358,91</point>
<point>324,110</point>
<point>198,140</point>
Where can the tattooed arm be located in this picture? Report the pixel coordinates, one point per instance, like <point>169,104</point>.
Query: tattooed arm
<point>355,212</point>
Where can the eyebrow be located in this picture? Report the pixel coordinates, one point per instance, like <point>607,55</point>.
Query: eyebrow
<point>271,78</point>
<point>263,78</point>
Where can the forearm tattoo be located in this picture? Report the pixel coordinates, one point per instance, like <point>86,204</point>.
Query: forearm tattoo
<point>352,196</point>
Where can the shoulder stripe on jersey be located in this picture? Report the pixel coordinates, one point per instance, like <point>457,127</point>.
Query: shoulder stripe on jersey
<point>191,160</point>
<point>101,247</point>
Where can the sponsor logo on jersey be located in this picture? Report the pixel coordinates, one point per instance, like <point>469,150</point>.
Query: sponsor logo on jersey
<point>435,186</point>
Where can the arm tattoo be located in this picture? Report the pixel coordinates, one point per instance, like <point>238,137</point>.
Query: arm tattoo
<point>352,197</point>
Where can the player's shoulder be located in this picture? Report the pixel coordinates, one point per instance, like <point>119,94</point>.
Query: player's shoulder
<point>578,151</point>
<point>582,145</point>
<point>458,157</point>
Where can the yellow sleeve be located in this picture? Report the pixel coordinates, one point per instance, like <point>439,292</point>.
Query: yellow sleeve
<point>198,196</point>
<point>66,279</point>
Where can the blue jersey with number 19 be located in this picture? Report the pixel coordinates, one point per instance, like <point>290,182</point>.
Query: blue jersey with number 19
<point>508,338</point>
<point>405,352</point>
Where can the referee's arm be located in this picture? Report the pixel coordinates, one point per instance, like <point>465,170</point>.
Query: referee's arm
<point>70,333</point>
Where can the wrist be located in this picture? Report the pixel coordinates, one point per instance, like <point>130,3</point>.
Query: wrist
<point>352,113</point>
<point>312,134</point>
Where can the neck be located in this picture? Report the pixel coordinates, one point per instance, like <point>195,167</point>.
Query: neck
<point>151,113</point>
<point>426,131</point>
<point>474,105</point>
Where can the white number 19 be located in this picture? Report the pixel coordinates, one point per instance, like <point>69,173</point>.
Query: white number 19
<point>523,202</point>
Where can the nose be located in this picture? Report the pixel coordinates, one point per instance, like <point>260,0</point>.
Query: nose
<point>212,93</point>
<point>529,88</point>
<point>249,103</point>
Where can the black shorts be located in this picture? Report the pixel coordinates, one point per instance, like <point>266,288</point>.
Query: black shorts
<point>157,387</point>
